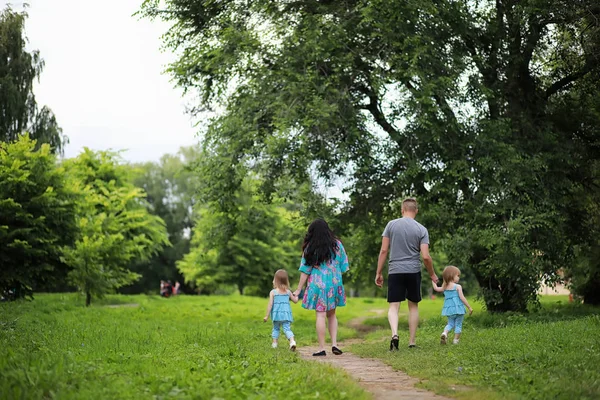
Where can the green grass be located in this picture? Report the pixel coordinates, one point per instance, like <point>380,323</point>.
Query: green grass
<point>183,347</point>
<point>219,348</point>
<point>553,352</point>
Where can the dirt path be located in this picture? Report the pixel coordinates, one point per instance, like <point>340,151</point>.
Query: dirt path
<point>381,380</point>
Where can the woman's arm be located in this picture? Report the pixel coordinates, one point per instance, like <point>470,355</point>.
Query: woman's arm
<point>269,306</point>
<point>293,297</point>
<point>464,299</point>
<point>436,287</point>
<point>303,278</point>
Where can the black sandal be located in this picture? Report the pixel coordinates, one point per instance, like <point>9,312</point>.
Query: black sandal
<point>394,343</point>
<point>336,351</point>
<point>319,354</point>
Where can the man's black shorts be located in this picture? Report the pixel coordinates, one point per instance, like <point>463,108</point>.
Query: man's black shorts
<point>404,286</point>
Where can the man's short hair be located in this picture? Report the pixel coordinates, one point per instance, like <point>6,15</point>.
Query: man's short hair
<point>410,204</point>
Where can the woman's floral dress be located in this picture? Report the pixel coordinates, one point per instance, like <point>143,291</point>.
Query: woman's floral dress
<point>325,289</point>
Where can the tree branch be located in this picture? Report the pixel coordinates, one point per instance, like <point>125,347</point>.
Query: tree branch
<point>567,80</point>
<point>375,110</point>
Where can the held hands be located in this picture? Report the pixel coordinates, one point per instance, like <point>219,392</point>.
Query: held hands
<point>434,278</point>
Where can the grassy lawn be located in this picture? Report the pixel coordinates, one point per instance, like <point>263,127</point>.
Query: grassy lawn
<point>184,347</point>
<point>219,348</point>
<point>551,353</point>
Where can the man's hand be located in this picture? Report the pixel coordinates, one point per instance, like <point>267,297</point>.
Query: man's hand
<point>379,280</point>
<point>434,278</point>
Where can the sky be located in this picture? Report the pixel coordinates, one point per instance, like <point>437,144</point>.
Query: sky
<point>104,77</point>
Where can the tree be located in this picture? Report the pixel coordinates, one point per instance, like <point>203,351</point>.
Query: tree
<point>459,103</point>
<point>37,217</point>
<point>244,248</point>
<point>115,225</point>
<point>18,70</point>
<point>170,186</point>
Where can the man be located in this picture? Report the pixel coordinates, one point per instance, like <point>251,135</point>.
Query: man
<point>404,239</point>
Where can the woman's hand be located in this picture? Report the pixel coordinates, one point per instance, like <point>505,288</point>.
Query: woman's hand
<point>265,318</point>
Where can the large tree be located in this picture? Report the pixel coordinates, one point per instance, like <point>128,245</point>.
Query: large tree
<point>37,218</point>
<point>461,103</point>
<point>19,69</point>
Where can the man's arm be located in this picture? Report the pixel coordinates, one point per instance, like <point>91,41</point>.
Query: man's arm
<point>428,261</point>
<point>383,255</point>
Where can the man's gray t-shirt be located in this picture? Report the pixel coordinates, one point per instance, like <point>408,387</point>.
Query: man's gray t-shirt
<point>406,237</point>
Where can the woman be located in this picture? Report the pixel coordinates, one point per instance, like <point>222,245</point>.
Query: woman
<point>323,263</point>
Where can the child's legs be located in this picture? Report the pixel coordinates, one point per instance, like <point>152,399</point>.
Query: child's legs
<point>275,333</point>
<point>459,322</point>
<point>451,323</point>
<point>286,325</point>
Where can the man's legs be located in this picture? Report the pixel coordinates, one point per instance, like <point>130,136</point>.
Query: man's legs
<point>393,317</point>
<point>413,321</point>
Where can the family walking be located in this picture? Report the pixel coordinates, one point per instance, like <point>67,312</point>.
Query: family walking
<point>404,243</point>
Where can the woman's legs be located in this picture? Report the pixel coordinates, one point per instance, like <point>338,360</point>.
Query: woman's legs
<point>333,326</point>
<point>321,329</point>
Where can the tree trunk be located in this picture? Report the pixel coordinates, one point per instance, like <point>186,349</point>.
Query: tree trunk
<point>88,298</point>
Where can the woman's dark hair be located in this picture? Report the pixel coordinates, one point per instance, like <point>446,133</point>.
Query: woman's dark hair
<point>320,244</point>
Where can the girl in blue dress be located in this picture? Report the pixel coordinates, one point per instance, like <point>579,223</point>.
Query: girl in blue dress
<point>454,303</point>
<point>323,263</point>
<point>279,308</point>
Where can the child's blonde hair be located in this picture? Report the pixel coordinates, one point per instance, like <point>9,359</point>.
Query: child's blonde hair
<point>449,273</point>
<point>281,280</point>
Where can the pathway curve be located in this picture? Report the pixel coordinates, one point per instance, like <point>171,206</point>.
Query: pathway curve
<point>381,380</point>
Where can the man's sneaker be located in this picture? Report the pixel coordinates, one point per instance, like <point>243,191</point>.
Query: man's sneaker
<point>292,345</point>
<point>274,345</point>
<point>443,338</point>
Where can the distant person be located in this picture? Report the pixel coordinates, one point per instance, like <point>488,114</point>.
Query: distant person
<point>324,260</point>
<point>454,303</point>
<point>177,288</point>
<point>166,288</point>
<point>279,308</point>
<point>406,241</point>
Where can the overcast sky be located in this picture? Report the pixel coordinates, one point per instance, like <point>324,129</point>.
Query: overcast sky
<point>103,77</point>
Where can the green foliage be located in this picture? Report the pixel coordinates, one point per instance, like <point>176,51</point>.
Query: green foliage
<point>18,70</point>
<point>483,110</point>
<point>37,217</point>
<point>115,226</point>
<point>170,186</point>
<point>186,347</point>
<point>244,248</point>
